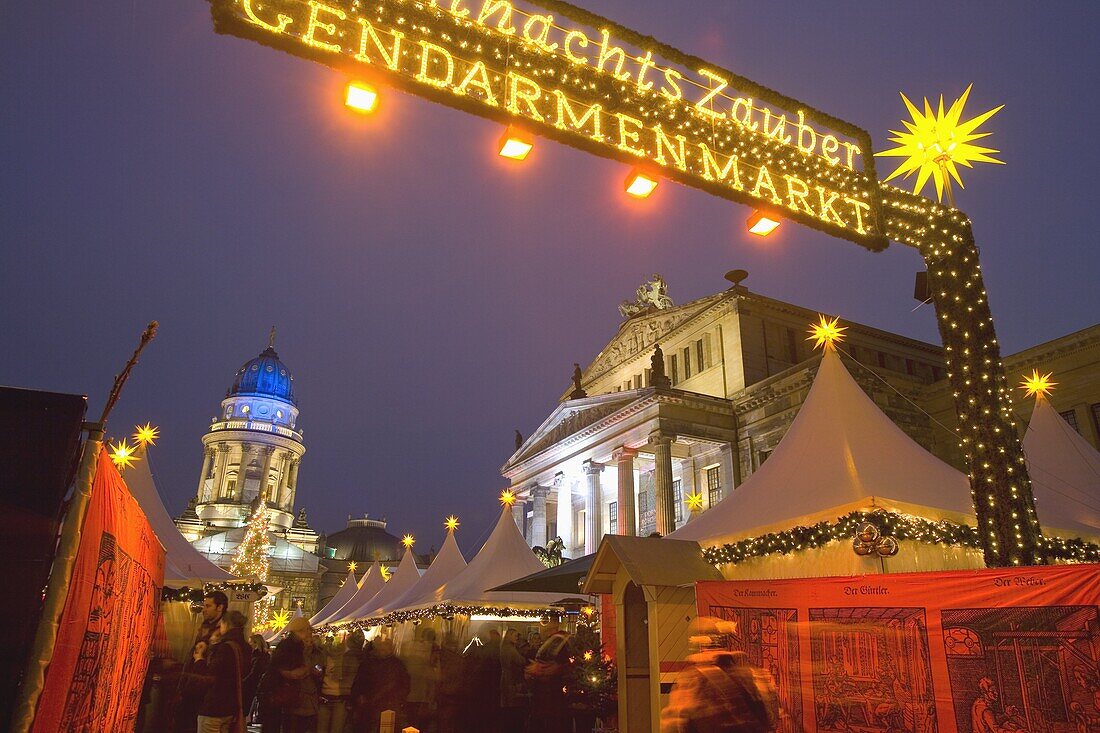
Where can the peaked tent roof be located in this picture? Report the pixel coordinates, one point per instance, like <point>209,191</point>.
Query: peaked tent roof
<point>1065,474</point>
<point>343,594</point>
<point>503,558</point>
<point>183,563</point>
<point>447,564</point>
<point>841,453</point>
<point>369,586</point>
<point>404,578</point>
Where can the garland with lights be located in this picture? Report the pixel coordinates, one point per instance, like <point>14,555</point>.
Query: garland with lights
<point>890,524</point>
<point>195,595</point>
<point>446,611</point>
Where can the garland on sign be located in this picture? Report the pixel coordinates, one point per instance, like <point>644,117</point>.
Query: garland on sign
<point>891,524</point>
<point>195,595</point>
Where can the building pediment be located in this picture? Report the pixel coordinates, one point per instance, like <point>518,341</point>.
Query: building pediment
<point>638,335</point>
<point>570,418</point>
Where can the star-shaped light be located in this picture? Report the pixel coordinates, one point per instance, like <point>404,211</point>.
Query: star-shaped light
<point>826,332</point>
<point>588,655</point>
<point>408,541</point>
<point>280,619</point>
<point>937,142</point>
<point>122,454</point>
<point>146,434</point>
<point>352,566</point>
<point>695,502</point>
<point>452,523</point>
<point>507,497</point>
<point>1038,384</point>
<point>385,573</point>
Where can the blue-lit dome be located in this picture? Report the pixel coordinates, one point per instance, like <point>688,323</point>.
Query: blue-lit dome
<point>266,376</point>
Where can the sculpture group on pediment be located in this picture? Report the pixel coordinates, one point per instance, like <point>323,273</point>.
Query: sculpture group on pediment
<point>650,295</point>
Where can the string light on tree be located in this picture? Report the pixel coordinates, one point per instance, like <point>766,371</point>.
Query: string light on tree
<point>937,143</point>
<point>122,455</point>
<point>250,560</point>
<point>1037,384</point>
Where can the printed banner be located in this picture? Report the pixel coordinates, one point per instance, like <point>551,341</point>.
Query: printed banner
<point>984,651</point>
<point>98,666</point>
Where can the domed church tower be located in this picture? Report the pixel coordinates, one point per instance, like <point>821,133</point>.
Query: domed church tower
<point>253,443</point>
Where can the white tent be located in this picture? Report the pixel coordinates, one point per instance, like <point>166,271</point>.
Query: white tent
<point>1065,474</point>
<point>503,558</point>
<point>183,564</point>
<point>404,578</point>
<point>369,586</point>
<point>343,595</point>
<point>840,454</point>
<point>447,564</point>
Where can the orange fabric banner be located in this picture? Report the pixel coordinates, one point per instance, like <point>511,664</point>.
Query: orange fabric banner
<point>984,651</point>
<point>98,666</point>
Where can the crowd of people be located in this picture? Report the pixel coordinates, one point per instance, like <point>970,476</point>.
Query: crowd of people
<point>505,683</point>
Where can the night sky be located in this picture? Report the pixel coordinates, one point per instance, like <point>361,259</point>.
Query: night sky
<point>430,297</point>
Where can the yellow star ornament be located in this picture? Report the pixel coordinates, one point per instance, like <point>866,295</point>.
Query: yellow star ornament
<point>352,566</point>
<point>280,619</point>
<point>452,523</point>
<point>1037,384</point>
<point>695,502</point>
<point>826,333</point>
<point>937,142</point>
<point>122,455</point>
<point>408,541</point>
<point>507,497</point>
<point>146,434</point>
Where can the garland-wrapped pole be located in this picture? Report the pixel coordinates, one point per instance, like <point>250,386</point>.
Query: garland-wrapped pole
<point>61,570</point>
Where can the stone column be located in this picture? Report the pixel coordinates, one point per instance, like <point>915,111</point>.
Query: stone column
<point>269,455</point>
<point>207,460</point>
<point>565,513</point>
<point>221,463</point>
<point>628,521</point>
<point>593,501</point>
<point>666,512</point>
<point>292,484</point>
<point>519,513</point>
<point>281,485</point>
<point>242,469</point>
<point>538,516</point>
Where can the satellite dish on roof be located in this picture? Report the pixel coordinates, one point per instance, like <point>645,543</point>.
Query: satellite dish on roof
<point>736,276</point>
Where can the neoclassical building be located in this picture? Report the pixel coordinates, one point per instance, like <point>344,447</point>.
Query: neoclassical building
<point>254,446</point>
<point>703,411</point>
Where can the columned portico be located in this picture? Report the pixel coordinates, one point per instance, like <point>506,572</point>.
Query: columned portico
<point>624,461</point>
<point>643,439</point>
<point>662,475</point>
<point>593,503</point>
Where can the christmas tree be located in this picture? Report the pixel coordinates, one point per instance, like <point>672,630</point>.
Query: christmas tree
<point>250,561</point>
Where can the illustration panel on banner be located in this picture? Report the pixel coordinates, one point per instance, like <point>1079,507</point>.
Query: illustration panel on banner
<point>871,670</point>
<point>1031,669</point>
<point>769,636</point>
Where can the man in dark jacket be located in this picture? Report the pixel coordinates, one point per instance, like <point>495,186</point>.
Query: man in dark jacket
<point>381,684</point>
<point>221,704</point>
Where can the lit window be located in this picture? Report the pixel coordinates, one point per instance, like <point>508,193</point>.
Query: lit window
<point>678,501</point>
<point>613,517</point>
<point>278,413</point>
<point>714,486</point>
<point>244,409</point>
<point>687,362</point>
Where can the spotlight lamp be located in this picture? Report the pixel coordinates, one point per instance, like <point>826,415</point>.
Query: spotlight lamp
<point>515,144</point>
<point>640,184</point>
<point>762,223</point>
<point>361,97</point>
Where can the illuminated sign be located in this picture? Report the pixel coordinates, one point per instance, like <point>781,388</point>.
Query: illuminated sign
<point>563,73</point>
